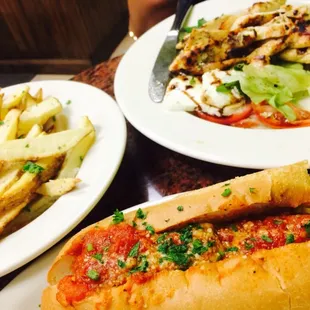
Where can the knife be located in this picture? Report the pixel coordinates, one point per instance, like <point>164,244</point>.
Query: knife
<point>160,75</point>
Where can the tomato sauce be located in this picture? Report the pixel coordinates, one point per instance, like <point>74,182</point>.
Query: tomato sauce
<point>109,257</point>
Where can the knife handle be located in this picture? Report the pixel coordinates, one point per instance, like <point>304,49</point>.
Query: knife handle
<point>182,8</point>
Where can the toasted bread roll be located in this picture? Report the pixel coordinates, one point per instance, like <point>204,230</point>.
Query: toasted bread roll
<point>254,264</point>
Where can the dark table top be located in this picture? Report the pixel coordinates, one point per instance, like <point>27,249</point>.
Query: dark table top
<point>148,170</point>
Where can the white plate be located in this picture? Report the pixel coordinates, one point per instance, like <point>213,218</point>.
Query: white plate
<point>24,292</point>
<point>97,172</point>
<point>189,135</point>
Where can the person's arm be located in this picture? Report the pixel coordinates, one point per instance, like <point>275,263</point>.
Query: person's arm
<point>143,14</point>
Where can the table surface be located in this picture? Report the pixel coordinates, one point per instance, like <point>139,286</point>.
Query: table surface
<point>148,170</point>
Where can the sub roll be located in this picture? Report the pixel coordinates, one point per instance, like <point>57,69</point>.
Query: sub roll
<point>239,244</point>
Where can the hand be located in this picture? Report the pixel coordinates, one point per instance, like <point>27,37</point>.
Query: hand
<point>143,14</point>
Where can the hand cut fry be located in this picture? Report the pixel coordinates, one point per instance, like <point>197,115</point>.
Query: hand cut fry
<point>38,114</point>
<point>41,147</point>
<point>22,190</point>
<point>39,95</point>
<point>57,187</point>
<point>14,100</point>
<point>27,102</point>
<point>8,127</point>
<point>28,214</point>
<point>75,156</point>
<point>8,178</point>
<point>7,216</point>
<point>61,123</point>
<point>34,131</point>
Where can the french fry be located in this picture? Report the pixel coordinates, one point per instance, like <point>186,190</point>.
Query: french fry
<point>75,156</point>
<point>8,127</point>
<point>41,147</point>
<point>57,187</point>
<point>38,114</point>
<point>34,131</point>
<point>14,100</point>
<point>27,102</point>
<point>61,123</point>
<point>39,95</point>
<point>7,216</point>
<point>28,214</point>
<point>22,190</point>
<point>8,178</point>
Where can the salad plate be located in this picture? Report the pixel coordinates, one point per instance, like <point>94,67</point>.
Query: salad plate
<point>179,129</point>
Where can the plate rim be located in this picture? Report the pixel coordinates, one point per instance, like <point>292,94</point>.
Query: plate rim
<point>93,200</point>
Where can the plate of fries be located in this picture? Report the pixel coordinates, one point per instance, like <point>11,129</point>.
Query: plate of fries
<point>61,144</point>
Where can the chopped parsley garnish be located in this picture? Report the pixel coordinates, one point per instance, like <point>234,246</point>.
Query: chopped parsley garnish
<point>32,168</point>
<point>232,249</point>
<point>180,208</point>
<point>174,253</point>
<point>234,227</point>
<point>248,246</point>
<point>121,264</point>
<point>290,239</point>
<point>252,190</point>
<point>192,81</point>
<point>198,247</point>
<point>239,66</point>
<point>307,228</point>
<point>118,217</point>
<point>226,184</point>
<point>69,102</point>
<point>89,247</point>
<point>226,192</point>
<point>210,243</point>
<point>201,22</point>
<point>106,249</point>
<point>220,255</point>
<point>134,224</point>
<point>27,145</point>
<point>186,234</point>
<point>150,229</point>
<point>142,267</point>
<point>1,123</point>
<point>266,238</point>
<point>98,257</point>
<point>177,254</point>
<point>93,274</point>
<point>140,214</point>
<point>134,250</point>
<point>278,222</point>
<point>81,158</point>
<point>161,238</point>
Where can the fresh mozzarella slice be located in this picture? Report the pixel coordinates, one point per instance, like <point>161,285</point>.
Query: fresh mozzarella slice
<point>210,81</point>
<point>177,100</point>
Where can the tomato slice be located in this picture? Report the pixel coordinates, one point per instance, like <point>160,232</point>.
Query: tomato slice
<point>249,122</point>
<point>277,120</point>
<point>226,120</point>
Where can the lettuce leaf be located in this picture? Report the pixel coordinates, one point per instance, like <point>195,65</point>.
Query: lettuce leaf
<point>277,85</point>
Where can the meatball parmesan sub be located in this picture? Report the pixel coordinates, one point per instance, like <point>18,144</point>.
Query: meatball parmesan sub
<point>240,244</point>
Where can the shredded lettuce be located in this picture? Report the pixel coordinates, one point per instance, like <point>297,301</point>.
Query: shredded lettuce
<point>278,85</point>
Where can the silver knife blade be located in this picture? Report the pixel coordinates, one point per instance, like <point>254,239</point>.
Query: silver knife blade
<point>160,75</point>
